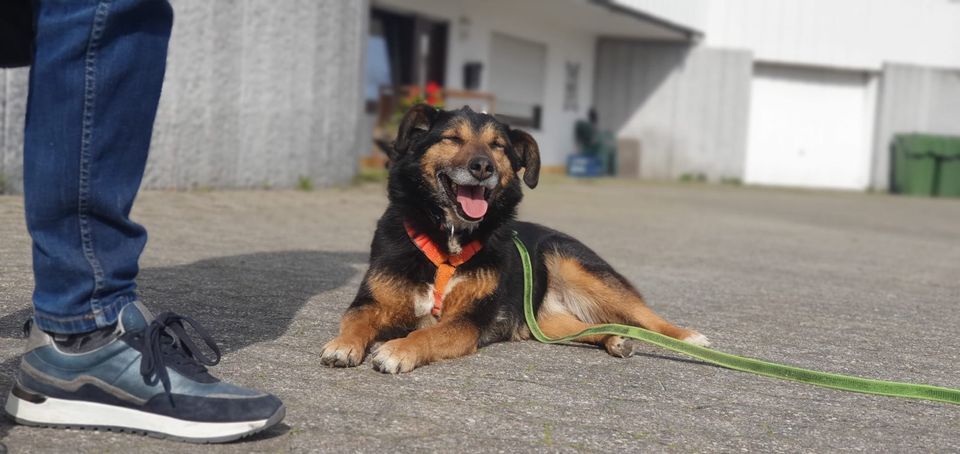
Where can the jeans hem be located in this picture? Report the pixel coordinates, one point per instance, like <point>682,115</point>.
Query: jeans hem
<point>107,315</point>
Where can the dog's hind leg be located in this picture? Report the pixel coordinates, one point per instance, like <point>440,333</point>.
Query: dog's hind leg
<point>561,324</point>
<point>600,295</point>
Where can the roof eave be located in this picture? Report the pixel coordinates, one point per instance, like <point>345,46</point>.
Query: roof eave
<point>691,34</point>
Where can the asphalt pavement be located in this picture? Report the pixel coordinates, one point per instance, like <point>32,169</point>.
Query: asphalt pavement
<point>861,284</point>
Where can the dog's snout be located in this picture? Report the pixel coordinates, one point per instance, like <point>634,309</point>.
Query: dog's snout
<point>481,167</point>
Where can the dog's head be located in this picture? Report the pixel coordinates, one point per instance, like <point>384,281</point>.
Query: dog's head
<point>461,167</point>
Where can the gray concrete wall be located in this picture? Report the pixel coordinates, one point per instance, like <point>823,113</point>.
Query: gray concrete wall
<point>258,93</point>
<point>13,99</point>
<point>688,107</point>
<point>913,99</point>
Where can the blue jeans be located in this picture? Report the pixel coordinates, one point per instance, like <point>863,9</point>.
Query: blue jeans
<point>94,88</point>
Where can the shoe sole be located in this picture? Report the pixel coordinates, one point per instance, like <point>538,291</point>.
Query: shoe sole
<point>39,411</point>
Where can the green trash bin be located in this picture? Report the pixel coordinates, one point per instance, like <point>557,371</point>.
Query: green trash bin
<point>926,165</point>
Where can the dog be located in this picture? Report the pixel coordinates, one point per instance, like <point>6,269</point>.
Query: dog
<point>445,277</point>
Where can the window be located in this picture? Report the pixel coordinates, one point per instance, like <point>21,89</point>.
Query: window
<point>517,79</point>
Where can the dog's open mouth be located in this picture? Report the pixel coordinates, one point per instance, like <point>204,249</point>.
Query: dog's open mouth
<point>471,201</point>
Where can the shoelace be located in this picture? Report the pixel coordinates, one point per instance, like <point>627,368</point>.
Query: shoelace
<point>166,337</point>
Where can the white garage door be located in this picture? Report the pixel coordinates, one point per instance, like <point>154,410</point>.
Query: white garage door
<point>810,127</point>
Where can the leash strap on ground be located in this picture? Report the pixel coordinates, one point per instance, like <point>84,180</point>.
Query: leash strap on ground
<point>755,366</point>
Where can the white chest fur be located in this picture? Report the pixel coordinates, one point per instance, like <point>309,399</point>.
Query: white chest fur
<point>423,302</point>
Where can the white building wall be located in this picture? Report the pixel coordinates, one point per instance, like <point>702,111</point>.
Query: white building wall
<point>829,52</point>
<point>818,63</point>
<point>860,34</point>
<point>472,25</point>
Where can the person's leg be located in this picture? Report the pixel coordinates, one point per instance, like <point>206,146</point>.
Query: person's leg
<point>110,363</point>
<point>94,89</point>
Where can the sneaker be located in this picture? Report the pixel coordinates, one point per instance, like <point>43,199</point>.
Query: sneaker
<point>150,379</point>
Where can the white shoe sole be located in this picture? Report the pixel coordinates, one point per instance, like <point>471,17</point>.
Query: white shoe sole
<point>75,414</point>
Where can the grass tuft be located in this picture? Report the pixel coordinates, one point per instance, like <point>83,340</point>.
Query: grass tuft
<point>305,183</point>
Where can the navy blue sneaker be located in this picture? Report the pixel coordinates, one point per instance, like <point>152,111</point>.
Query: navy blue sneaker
<point>150,378</point>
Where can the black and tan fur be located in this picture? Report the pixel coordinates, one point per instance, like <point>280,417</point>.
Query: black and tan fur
<point>574,287</point>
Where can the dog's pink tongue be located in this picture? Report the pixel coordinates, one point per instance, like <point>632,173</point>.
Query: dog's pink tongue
<point>472,201</point>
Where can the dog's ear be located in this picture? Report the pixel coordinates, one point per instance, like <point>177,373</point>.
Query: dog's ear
<point>415,123</point>
<point>529,155</point>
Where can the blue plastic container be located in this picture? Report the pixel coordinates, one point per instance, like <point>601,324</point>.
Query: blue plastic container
<point>584,166</point>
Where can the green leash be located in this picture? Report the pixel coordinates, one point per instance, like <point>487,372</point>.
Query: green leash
<point>754,366</point>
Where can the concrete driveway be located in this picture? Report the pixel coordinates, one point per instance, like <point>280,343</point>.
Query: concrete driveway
<point>851,283</point>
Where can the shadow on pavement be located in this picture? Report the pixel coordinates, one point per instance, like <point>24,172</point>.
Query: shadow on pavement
<point>242,300</point>
<point>247,299</point>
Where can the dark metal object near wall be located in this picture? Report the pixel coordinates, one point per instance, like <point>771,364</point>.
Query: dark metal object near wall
<point>16,33</point>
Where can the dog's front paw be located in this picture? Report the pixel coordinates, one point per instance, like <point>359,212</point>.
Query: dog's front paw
<point>342,353</point>
<point>394,357</point>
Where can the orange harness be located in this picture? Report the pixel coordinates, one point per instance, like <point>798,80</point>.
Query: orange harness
<point>446,264</point>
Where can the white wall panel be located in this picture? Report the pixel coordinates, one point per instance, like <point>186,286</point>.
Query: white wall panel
<point>842,33</point>
<point>685,106</point>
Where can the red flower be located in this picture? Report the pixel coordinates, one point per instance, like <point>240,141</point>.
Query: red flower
<point>434,97</point>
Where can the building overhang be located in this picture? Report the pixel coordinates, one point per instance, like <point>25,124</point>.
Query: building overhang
<point>607,18</point>
<point>624,21</point>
